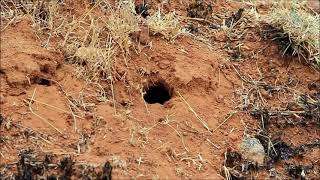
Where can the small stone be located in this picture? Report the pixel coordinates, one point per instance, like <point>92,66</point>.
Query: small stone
<point>252,150</point>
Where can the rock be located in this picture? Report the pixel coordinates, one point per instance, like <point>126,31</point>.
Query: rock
<point>252,150</point>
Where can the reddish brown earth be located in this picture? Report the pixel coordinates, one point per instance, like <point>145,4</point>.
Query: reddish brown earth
<point>156,141</point>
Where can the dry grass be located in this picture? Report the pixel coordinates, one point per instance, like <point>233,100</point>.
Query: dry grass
<point>97,61</point>
<point>11,9</point>
<point>122,22</point>
<point>301,27</point>
<point>46,17</point>
<point>167,25</point>
<point>85,41</point>
<point>117,162</point>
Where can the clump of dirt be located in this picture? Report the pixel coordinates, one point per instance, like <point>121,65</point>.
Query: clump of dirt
<point>32,65</point>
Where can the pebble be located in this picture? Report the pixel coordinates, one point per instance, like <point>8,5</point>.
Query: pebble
<point>252,150</point>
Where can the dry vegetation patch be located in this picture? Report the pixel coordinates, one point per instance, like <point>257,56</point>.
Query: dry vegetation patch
<point>123,22</point>
<point>297,30</point>
<point>167,25</point>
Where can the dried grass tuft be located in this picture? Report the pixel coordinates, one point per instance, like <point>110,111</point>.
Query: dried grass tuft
<point>122,22</point>
<point>95,62</point>
<point>167,25</point>
<point>302,29</point>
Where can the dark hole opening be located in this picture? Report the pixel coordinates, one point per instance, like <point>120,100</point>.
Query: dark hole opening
<point>42,81</point>
<point>157,93</point>
<point>142,9</point>
<point>45,82</point>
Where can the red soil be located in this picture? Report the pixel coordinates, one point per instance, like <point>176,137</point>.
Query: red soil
<point>155,140</point>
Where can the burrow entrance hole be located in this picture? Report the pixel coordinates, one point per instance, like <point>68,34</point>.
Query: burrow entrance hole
<point>41,81</point>
<point>159,92</point>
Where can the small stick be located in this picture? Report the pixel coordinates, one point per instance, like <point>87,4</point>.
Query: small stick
<point>74,119</point>
<point>213,144</point>
<point>43,119</point>
<point>225,120</point>
<point>219,77</point>
<point>8,23</point>
<point>182,139</point>
<point>205,125</point>
<point>57,108</point>
<point>113,97</point>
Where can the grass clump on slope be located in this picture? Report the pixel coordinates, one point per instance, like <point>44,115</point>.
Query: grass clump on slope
<point>300,29</point>
<point>167,25</point>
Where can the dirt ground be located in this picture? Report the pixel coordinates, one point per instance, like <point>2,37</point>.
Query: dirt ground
<point>193,135</point>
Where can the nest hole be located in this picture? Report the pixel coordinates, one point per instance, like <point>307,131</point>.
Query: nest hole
<point>41,81</point>
<point>159,92</point>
